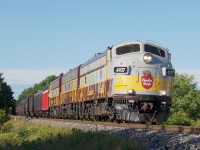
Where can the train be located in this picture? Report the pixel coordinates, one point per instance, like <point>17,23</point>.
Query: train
<point>128,82</point>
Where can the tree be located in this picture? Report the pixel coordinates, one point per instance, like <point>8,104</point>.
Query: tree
<point>185,101</point>
<point>6,94</point>
<point>26,93</point>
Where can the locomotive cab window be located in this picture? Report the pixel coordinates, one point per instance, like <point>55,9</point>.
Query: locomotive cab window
<point>128,49</point>
<point>154,50</point>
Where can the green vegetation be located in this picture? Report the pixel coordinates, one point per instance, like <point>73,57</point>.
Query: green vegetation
<point>6,94</point>
<point>3,117</point>
<point>37,87</point>
<point>185,109</point>
<point>6,100</point>
<point>23,135</point>
<point>198,123</point>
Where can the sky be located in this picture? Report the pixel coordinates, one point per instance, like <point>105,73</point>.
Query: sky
<point>44,37</point>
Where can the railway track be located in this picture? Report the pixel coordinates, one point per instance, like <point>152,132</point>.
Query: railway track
<point>167,128</point>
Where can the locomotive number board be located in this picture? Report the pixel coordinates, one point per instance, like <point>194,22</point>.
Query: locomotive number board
<point>120,69</point>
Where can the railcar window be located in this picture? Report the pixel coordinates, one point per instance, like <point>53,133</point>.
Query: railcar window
<point>154,50</point>
<point>128,49</point>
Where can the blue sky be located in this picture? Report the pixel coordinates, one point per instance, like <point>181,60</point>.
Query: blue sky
<point>44,37</point>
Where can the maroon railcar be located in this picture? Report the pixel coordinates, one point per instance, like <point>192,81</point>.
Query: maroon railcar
<point>31,105</point>
<point>38,104</point>
<point>20,108</point>
<point>26,107</point>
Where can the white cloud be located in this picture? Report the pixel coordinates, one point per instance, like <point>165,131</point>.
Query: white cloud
<point>28,76</point>
<point>19,79</point>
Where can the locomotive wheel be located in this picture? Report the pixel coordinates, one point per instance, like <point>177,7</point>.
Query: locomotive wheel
<point>112,116</point>
<point>98,118</point>
<point>87,115</point>
<point>105,119</point>
<point>154,123</point>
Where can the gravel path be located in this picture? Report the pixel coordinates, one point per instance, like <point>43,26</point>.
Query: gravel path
<point>156,140</point>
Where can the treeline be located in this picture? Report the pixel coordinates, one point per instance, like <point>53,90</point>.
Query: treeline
<point>26,93</point>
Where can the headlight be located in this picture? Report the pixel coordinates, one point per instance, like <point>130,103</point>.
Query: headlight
<point>163,93</point>
<point>148,58</point>
<point>130,91</point>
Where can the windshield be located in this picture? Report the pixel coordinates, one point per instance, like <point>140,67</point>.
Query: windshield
<point>154,50</point>
<point>128,49</point>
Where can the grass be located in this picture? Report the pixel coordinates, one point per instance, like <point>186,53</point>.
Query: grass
<point>21,135</point>
<point>198,123</point>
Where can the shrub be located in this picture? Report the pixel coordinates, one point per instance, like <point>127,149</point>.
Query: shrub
<point>185,101</point>
<point>179,118</point>
<point>5,128</point>
<point>3,116</point>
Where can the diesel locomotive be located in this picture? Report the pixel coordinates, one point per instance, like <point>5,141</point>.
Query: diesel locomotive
<point>130,81</point>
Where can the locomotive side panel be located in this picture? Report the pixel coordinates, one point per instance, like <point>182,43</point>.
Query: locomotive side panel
<point>94,79</point>
<point>69,87</point>
<point>54,96</point>
<point>54,92</point>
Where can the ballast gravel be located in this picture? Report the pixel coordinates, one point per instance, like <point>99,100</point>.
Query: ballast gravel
<point>155,140</point>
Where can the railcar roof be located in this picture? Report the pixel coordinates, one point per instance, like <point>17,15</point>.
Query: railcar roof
<point>70,70</point>
<point>96,57</point>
